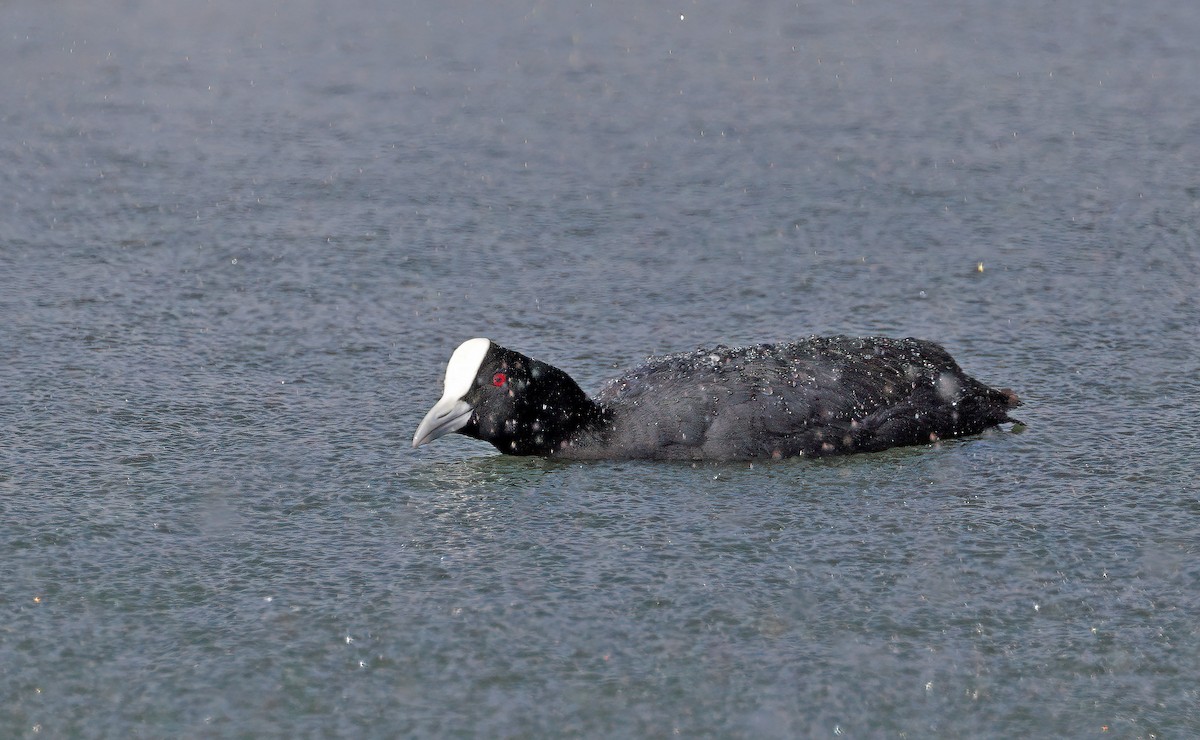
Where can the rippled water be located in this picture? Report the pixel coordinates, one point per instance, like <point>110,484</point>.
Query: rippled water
<point>240,241</point>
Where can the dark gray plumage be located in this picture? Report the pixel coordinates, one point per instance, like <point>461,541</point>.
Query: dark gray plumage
<point>818,396</point>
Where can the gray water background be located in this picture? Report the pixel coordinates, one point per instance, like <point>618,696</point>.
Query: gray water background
<point>239,241</point>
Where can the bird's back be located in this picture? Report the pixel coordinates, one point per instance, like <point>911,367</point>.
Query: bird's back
<point>822,395</point>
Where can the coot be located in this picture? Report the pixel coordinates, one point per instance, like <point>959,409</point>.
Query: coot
<point>817,396</point>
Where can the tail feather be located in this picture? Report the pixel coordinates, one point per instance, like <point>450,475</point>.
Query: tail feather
<point>1011,398</point>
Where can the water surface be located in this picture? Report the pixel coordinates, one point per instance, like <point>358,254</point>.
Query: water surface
<point>240,240</point>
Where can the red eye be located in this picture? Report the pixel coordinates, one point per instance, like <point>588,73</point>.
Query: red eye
<point>499,379</point>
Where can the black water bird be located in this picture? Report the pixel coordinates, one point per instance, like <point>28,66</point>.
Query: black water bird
<point>813,397</point>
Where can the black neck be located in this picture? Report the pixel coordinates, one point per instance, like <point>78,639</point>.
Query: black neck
<point>563,415</point>
<point>543,410</point>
